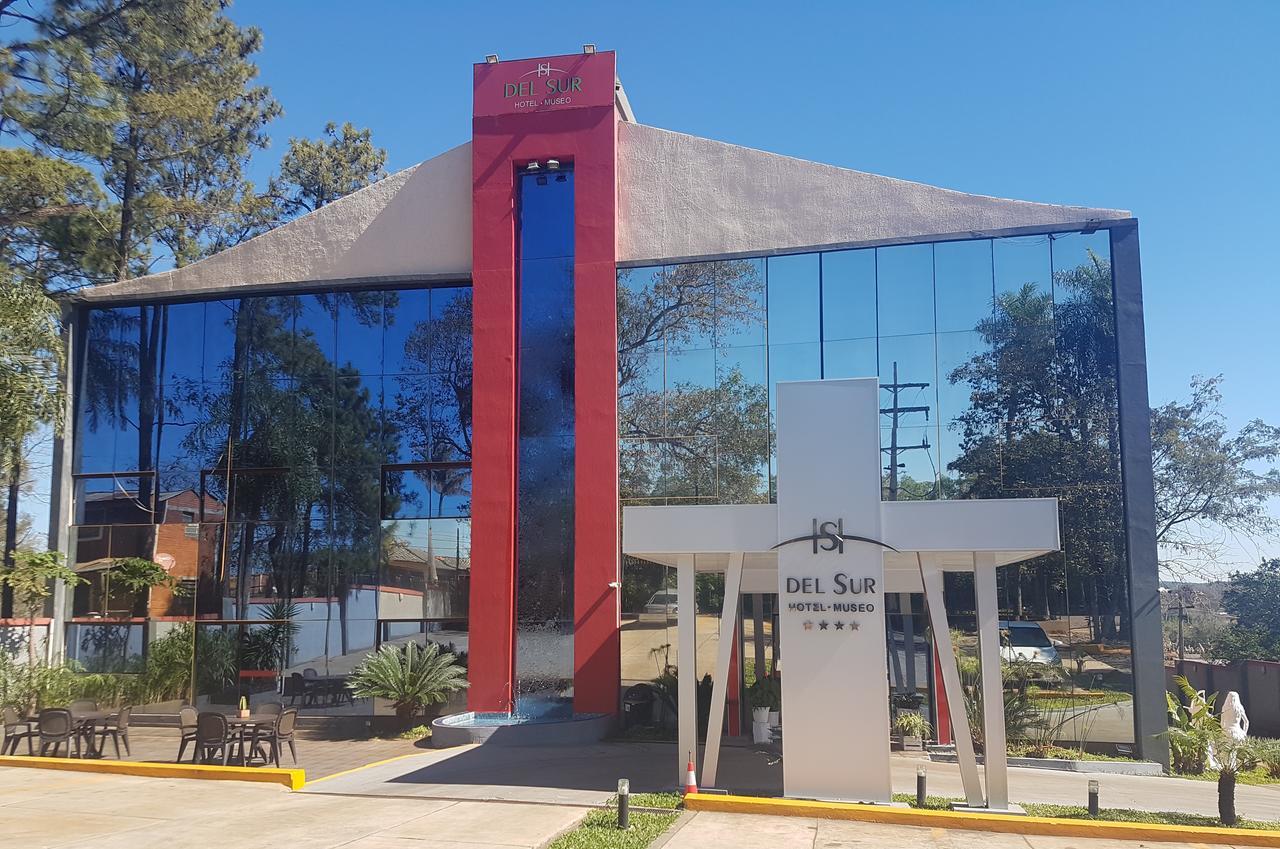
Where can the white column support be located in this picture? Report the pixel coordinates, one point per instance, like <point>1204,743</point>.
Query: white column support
<point>993,730</point>
<point>931,578</point>
<point>686,664</point>
<point>720,683</point>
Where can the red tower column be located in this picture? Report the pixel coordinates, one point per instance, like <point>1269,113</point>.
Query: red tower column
<point>558,107</point>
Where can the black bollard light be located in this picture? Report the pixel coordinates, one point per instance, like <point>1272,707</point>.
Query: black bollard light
<point>920,786</point>
<point>1093,797</point>
<point>624,803</point>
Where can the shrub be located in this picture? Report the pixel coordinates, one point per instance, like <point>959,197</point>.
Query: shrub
<point>1266,752</point>
<point>411,677</point>
<point>912,724</point>
<point>1191,728</point>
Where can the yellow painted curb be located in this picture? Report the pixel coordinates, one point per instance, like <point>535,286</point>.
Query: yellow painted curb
<point>1003,823</point>
<point>291,778</point>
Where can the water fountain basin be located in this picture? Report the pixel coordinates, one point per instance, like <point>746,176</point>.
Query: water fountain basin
<point>503,729</point>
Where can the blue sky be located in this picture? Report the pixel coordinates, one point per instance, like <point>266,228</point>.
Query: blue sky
<point>1169,110</point>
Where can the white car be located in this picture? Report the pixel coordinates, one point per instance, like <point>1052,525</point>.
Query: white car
<point>1026,641</point>
<point>661,603</point>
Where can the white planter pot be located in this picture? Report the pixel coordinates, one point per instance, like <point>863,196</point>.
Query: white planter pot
<point>775,718</point>
<point>761,733</point>
<point>760,714</point>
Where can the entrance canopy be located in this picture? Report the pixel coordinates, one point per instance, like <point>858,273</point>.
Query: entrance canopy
<point>919,541</point>
<point>951,533</point>
<point>832,548</point>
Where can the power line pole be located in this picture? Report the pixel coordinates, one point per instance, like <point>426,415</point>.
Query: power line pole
<point>896,411</point>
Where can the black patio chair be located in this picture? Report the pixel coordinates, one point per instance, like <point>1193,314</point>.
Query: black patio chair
<point>117,731</point>
<point>295,687</point>
<point>212,737</point>
<point>56,727</point>
<point>82,706</point>
<point>187,717</point>
<point>16,729</point>
<point>281,732</point>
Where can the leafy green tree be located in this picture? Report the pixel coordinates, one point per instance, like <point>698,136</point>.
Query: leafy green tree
<point>54,220</point>
<point>1253,598</point>
<point>681,439</point>
<point>169,117</point>
<point>31,577</point>
<point>314,173</point>
<point>1209,479</point>
<point>1043,420</point>
<point>31,356</point>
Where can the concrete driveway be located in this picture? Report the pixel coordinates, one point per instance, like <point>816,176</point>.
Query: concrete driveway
<point>42,809</point>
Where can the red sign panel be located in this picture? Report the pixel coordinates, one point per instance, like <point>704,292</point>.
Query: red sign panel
<point>544,85</point>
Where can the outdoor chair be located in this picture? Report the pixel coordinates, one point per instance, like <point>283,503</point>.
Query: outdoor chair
<point>187,716</point>
<point>82,705</point>
<point>117,731</point>
<point>212,737</point>
<point>269,709</point>
<point>310,673</point>
<point>56,727</point>
<point>16,729</point>
<point>280,733</point>
<point>295,687</point>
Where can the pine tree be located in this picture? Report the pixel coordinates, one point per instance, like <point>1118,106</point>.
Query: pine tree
<point>315,173</point>
<point>169,114</point>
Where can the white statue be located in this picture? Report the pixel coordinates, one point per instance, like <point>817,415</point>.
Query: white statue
<point>1235,726</point>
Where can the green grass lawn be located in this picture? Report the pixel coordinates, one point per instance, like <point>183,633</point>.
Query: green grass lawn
<point>1078,812</point>
<point>600,831</point>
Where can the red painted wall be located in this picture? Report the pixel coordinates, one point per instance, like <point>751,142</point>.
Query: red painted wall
<point>510,128</point>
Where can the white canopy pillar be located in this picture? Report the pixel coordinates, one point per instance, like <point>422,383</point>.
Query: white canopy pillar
<point>993,730</point>
<point>931,577</point>
<point>720,683</point>
<point>686,654</point>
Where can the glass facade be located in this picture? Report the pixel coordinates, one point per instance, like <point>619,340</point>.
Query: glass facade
<point>299,463</point>
<point>544,485</point>
<point>997,363</point>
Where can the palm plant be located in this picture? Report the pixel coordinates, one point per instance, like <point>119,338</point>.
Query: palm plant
<point>411,677</point>
<point>1191,728</point>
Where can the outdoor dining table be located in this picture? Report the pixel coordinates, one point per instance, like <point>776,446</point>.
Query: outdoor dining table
<point>242,725</point>
<point>85,721</point>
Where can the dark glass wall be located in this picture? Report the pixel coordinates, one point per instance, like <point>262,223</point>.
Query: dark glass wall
<point>544,487</point>
<point>1005,363</point>
<point>300,463</point>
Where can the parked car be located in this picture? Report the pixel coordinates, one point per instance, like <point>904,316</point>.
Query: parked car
<point>1027,641</point>
<point>661,603</point>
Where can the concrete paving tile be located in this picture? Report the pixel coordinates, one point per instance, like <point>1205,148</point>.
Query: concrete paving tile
<point>500,823</point>
<point>744,831</point>
<point>382,841</point>
<point>839,834</point>
<point>26,828</point>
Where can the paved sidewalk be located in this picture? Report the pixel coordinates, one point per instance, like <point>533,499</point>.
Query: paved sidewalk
<point>55,810</point>
<point>744,831</point>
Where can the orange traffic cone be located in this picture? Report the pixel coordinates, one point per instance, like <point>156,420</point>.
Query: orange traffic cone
<point>690,780</point>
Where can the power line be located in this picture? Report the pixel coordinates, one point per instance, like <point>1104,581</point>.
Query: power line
<point>896,411</point>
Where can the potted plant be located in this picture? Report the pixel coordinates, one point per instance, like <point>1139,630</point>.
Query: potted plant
<point>766,694</point>
<point>765,697</point>
<point>410,677</point>
<point>913,728</point>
